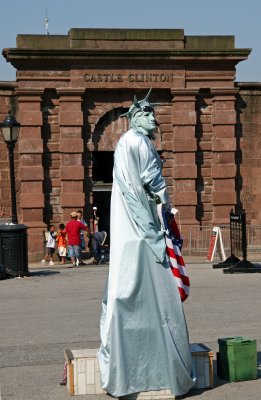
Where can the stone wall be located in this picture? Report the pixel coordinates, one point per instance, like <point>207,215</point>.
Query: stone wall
<point>8,102</point>
<point>249,149</point>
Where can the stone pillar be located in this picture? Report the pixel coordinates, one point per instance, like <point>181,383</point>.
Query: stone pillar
<point>184,148</point>
<point>223,169</point>
<point>30,145</point>
<point>71,148</point>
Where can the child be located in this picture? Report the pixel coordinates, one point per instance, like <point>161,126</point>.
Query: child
<point>62,242</point>
<point>50,245</point>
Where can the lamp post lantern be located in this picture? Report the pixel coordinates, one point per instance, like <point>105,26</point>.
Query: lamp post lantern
<point>10,130</point>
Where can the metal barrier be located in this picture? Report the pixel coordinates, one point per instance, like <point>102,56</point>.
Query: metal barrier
<point>199,239</point>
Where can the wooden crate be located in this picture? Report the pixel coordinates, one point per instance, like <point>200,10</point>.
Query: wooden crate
<point>202,359</point>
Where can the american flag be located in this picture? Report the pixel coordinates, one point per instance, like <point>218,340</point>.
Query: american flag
<point>173,249</point>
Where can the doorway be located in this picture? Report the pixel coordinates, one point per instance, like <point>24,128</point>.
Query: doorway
<point>102,162</point>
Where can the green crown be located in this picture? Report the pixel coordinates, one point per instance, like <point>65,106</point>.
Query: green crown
<point>142,105</point>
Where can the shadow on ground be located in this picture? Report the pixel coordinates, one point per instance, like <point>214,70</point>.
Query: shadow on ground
<point>44,272</point>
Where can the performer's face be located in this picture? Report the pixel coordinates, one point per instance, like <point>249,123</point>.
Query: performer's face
<point>147,121</point>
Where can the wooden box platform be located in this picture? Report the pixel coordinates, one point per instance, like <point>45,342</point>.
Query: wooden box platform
<point>83,373</point>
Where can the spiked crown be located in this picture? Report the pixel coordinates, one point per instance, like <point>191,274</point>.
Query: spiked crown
<point>142,105</point>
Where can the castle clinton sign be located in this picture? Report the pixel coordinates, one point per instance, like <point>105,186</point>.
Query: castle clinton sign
<point>101,77</point>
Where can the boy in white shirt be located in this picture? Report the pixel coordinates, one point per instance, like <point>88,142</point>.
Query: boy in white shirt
<point>50,246</point>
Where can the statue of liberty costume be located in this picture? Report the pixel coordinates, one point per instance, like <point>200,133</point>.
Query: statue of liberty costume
<point>144,339</point>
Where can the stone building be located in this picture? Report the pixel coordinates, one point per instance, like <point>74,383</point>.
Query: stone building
<point>68,96</point>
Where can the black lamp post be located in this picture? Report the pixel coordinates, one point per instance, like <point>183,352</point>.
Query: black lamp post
<point>10,130</point>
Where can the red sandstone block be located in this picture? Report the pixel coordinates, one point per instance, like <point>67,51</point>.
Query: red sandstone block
<point>187,214</point>
<point>207,217</point>
<point>31,187</point>
<point>56,182</point>
<point>185,198</point>
<point>29,106</point>
<point>30,132</point>
<point>184,106</point>
<point>31,118</point>
<point>185,171</point>
<point>205,146</point>
<point>224,157</point>
<point>53,173</point>
<point>70,107</point>
<point>71,119</point>
<point>206,119</point>
<point>208,207</point>
<point>167,145</point>
<point>31,160</point>
<point>185,145</point>
<point>206,197</point>
<point>224,185</point>
<point>166,128</point>
<point>54,199</point>
<point>184,132</point>
<point>56,191</point>
<point>223,171</point>
<point>167,172</point>
<point>72,200</point>
<point>54,128</point>
<point>184,158</point>
<point>31,173</point>
<point>163,119</point>
<point>71,131</point>
<point>224,105</point>
<point>205,171</point>
<point>72,173</point>
<point>224,197</point>
<point>28,200</point>
<point>186,185</point>
<point>207,127</point>
<point>224,117</point>
<point>221,214</point>
<point>166,137</point>
<point>32,214</point>
<point>53,147</point>
<point>71,159</point>
<point>168,163</point>
<point>224,131</point>
<point>169,181</point>
<point>30,146</point>
<point>72,187</point>
<point>227,144</point>
<point>184,118</point>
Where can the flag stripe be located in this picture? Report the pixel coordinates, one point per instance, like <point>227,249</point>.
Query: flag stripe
<point>176,261</point>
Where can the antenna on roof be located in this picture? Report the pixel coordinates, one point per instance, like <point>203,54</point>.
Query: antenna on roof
<point>46,23</point>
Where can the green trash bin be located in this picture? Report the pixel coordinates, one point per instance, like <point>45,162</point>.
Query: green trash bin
<point>237,359</point>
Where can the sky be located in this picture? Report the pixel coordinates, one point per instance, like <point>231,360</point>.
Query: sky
<point>240,18</point>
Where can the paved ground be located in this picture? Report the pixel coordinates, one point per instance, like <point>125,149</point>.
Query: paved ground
<point>58,308</point>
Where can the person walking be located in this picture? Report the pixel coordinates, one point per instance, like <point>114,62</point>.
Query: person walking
<point>73,230</point>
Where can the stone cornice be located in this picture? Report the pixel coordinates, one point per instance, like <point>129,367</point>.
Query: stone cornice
<point>69,56</point>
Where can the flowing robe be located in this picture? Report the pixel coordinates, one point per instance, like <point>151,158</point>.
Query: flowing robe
<point>144,340</point>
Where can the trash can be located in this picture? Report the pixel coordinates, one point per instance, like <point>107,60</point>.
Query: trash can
<point>237,359</point>
<point>2,272</point>
<point>14,249</point>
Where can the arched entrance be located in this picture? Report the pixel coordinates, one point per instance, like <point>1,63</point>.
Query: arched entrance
<point>105,136</point>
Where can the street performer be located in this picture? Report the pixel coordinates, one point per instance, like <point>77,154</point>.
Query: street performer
<point>144,339</point>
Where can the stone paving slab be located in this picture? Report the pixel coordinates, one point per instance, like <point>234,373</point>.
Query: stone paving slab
<point>59,307</point>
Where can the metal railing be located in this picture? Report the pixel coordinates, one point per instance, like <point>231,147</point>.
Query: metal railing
<point>199,239</point>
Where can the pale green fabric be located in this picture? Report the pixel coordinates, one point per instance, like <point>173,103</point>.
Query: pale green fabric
<point>143,329</point>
